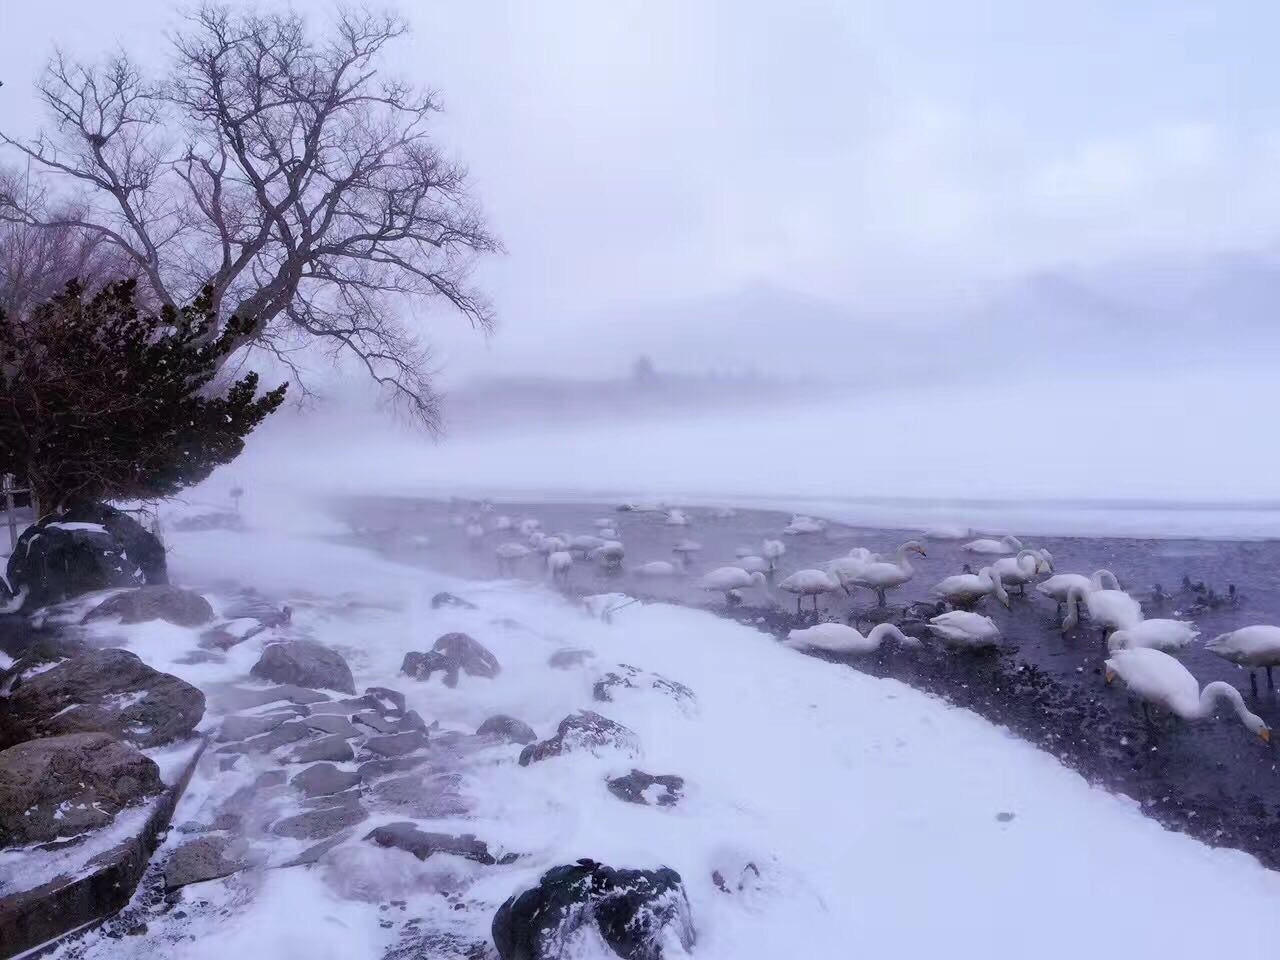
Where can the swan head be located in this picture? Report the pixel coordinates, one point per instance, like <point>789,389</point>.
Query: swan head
<point>914,546</point>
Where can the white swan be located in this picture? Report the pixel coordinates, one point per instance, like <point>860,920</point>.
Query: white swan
<point>947,531</point>
<point>846,568</point>
<point>729,580</point>
<point>810,583</point>
<point>1252,647</point>
<point>685,550</point>
<point>602,523</point>
<point>964,630</point>
<point>1109,609</point>
<point>509,554</point>
<point>839,638</point>
<point>755,565</point>
<point>962,589</point>
<point>881,575</point>
<point>585,543</point>
<point>500,523</point>
<point>1169,636</point>
<point>1004,545</point>
<point>1059,585</point>
<point>1019,570</point>
<point>549,545</point>
<point>475,533</point>
<point>772,550</point>
<point>528,526</point>
<point>559,563</point>
<point>609,553</point>
<point>656,568</point>
<point>1158,678</point>
<point>800,525</point>
<point>677,518</point>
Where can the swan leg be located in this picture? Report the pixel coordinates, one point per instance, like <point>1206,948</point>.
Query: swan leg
<point>1253,684</point>
<point>1270,683</point>
<point>799,600</point>
<point>880,596</point>
<point>1146,713</point>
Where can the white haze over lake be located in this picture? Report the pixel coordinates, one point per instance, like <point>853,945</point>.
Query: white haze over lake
<point>1185,452</point>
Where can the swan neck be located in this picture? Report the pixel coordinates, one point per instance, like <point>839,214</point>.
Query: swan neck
<point>1218,690</point>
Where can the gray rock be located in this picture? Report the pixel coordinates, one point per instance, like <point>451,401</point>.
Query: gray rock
<point>508,728</point>
<point>627,677</point>
<point>331,748</point>
<point>446,599</point>
<point>205,858</point>
<point>373,769</point>
<point>636,913</point>
<point>633,786</point>
<point>315,852</point>
<point>391,701</point>
<point>407,837</point>
<point>58,558</point>
<point>568,658</point>
<point>306,663</point>
<point>291,731</point>
<point>108,691</point>
<point>318,824</point>
<point>428,796</point>
<point>452,654</point>
<point>172,604</point>
<point>396,744</point>
<point>334,725</point>
<point>584,730</point>
<point>375,721</point>
<point>242,728</point>
<point>323,779</point>
<point>241,698</point>
<point>62,786</point>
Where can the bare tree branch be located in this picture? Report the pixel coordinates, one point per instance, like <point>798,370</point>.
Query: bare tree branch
<point>281,170</point>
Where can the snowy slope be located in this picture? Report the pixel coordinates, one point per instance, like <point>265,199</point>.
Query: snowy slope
<point>871,810</point>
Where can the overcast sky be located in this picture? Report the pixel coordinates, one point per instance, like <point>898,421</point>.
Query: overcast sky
<point>898,156</point>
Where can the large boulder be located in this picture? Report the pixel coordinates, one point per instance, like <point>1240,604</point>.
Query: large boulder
<point>86,547</point>
<point>104,691</point>
<point>305,663</point>
<point>635,913</point>
<point>452,654</point>
<point>183,608</point>
<point>407,837</point>
<point>63,786</point>
<point>584,730</point>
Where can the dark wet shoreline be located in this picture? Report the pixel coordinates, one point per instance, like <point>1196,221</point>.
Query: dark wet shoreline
<point>1212,780</point>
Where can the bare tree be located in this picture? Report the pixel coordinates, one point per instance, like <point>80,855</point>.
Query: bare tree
<point>283,172</point>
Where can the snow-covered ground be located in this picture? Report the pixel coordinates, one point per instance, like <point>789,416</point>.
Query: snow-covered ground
<point>1175,453</point>
<point>883,821</point>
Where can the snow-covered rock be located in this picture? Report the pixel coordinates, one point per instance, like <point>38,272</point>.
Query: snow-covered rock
<point>305,663</point>
<point>62,786</point>
<point>106,691</point>
<point>636,913</point>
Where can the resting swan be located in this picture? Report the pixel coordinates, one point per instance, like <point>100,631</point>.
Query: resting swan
<point>881,575</point>
<point>1158,678</point>
<point>1255,646</point>
<point>729,580</point>
<point>1169,636</point>
<point>966,588</point>
<point>811,583</point>
<point>840,638</point>
<point>1005,544</point>
<point>1110,609</point>
<point>964,630</point>
<point>1020,570</point>
<point>1058,587</point>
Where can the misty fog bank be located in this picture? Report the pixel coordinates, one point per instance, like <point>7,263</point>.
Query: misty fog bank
<point>1055,455</point>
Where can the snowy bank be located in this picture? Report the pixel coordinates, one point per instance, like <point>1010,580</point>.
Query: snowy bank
<point>879,819</point>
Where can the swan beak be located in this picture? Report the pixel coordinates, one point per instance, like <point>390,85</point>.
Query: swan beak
<point>1109,675</point>
<point>1265,734</point>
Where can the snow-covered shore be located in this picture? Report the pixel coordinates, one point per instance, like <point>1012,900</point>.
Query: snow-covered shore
<point>878,817</point>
